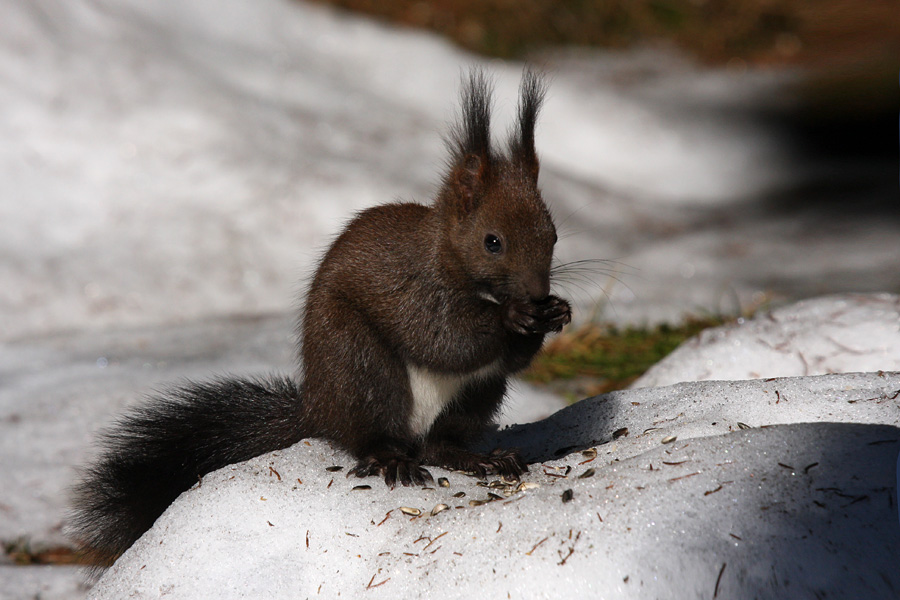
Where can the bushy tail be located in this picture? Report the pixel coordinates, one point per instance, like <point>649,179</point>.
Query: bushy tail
<point>161,448</point>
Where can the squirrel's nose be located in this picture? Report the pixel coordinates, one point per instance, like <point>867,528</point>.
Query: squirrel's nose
<point>537,286</point>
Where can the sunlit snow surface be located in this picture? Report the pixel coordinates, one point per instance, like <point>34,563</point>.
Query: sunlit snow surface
<point>832,334</point>
<point>777,510</point>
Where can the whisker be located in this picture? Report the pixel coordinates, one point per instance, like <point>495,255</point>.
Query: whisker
<point>584,269</point>
<point>614,276</point>
<point>592,273</point>
<point>593,265</point>
<point>605,298</point>
<point>591,294</point>
<point>562,226</point>
<point>567,284</point>
<point>585,276</point>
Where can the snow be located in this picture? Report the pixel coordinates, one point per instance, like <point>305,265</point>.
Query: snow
<point>170,173</point>
<point>832,334</point>
<point>795,508</point>
<point>45,583</point>
<point>59,390</point>
<point>160,166</point>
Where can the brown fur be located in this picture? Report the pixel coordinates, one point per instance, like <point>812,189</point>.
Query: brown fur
<point>410,284</point>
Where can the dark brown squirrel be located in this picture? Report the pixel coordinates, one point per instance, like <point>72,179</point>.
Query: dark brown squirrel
<point>413,323</point>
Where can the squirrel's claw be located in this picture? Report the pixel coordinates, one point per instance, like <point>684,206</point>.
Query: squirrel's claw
<point>537,318</point>
<point>555,314</point>
<point>402,470</point>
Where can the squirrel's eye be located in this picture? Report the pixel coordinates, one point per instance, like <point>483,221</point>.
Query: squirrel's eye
<point>493,244</point>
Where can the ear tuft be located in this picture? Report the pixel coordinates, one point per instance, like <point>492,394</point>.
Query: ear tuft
<point>532,91</point>
<point>469,143</point>
<point>471,134</point>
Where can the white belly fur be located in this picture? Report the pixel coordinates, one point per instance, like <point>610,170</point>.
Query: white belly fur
<point>432,391</point>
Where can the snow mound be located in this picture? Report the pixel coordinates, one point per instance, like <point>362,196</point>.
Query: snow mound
<point>796,509</point>
<point>57,392</point>
<point>833,334</point>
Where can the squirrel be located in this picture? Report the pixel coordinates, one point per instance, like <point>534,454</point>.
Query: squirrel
<point>414,321</point>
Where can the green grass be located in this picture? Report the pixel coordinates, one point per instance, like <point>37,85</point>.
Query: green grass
<point>598,358</point>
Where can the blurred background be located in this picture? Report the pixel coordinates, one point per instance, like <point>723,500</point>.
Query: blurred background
<point>170,174</point>
<point>848,51</point>
<point>160,165</point>
<point>846,57</point>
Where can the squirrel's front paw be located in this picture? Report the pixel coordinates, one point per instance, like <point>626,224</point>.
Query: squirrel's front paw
<point>555,313</point>
<point>533,318</point>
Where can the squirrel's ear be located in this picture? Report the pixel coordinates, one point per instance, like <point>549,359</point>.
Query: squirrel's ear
<point>469,143</point>
<point>466,182</point>
<point>521,143</point>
